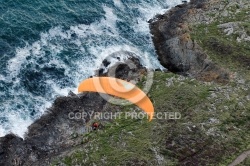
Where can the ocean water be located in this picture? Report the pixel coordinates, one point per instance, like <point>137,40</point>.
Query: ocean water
<point>48,46</point>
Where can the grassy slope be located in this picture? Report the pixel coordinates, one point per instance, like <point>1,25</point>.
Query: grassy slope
<point>224,49</point>
<point>205,129</point>
<point>215,122</point>
<point>235,56</point>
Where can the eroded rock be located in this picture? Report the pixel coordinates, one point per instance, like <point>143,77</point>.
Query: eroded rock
<point>175,48</point>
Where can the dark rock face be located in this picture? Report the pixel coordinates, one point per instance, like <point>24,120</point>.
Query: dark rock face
<point>182,56</point>
<point>175,48</point>
<point>129,69</point>
<point>53,133</point>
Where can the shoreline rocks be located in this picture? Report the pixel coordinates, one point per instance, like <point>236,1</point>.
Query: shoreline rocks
<point>51,134</point>
<point>57,131</point>
<point>175,48</point>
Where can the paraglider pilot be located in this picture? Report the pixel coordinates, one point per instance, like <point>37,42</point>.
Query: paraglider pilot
<point>95,126</point>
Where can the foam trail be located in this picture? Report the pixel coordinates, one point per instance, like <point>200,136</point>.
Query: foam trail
<point>2,131</point>
<point>20,125</point>
<point>61,58</point>
<point>118,4</point>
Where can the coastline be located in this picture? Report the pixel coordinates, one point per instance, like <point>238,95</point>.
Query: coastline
<point>55,135</point>
<point>177,51</point>
<point>51,135</point>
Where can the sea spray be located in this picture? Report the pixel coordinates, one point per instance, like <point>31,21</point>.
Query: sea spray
<point>52,63</point>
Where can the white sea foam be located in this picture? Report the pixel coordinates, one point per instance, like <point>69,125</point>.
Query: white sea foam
<point>93,42</point>
<point>148,11</point>
<point>2,78</point>
<point>2,131</point>
<point>19,125</point>
<point>17,122</point>
<point>118,4</point>
<point>15,63</point>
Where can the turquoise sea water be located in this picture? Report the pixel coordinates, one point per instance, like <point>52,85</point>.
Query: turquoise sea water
<point>48,46</point>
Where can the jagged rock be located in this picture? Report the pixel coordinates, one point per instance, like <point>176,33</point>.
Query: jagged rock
<point>183,55</point>
<point>71,93</point>
<point>128,69</point>
<point>175,48</point>
<point>52,133</point>
<point>57,130</point>
<point>229,27</point>
<point>235,28</point>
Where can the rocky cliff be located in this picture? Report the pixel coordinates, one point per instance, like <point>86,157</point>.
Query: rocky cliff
<point>176,49</point>
<point>56,132</point>
<point>204,39</point>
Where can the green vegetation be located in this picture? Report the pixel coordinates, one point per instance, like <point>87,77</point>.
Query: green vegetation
<point>206,133</point>
<point>246,162</point>
<point>222,48</point>
<point>215,119</point>
<point>225,50</point>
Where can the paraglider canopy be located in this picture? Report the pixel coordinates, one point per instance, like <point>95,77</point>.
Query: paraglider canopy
<point>119,88</point>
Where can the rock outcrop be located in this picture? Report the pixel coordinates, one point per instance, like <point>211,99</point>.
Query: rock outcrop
<point>128,68</point>
<point>51,134</point>
<point>175,48</point>
<point>57,131</point>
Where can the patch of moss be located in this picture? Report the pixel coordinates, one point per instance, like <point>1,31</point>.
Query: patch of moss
<point>246,26</point>
<point>224,49</point>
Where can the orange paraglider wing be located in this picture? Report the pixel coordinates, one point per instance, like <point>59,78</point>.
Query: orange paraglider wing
<point>119,88</point>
